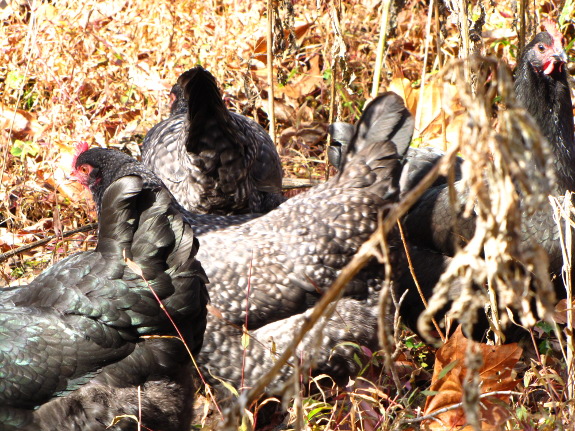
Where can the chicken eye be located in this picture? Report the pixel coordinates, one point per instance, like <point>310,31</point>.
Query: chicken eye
<point>84,169</point>
<point>541,47</point>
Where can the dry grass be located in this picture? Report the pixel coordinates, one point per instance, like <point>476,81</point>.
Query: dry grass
<point>100,71</point>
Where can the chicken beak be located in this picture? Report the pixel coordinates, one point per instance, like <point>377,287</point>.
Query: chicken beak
<point>560,57</point>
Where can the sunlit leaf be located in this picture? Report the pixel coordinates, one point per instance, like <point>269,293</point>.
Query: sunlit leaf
<point>496,374</point>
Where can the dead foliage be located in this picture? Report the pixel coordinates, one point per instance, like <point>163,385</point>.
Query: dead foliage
<point>449,377</point>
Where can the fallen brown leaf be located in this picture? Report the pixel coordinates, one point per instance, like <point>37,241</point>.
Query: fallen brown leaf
<point>261,45</point>
<point>22,124</point>
<point>495,375</point>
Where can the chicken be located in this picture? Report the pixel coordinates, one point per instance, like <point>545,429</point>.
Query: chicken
<point>267,273</point>
<point>71,342</point>
<point>212,160</point>
<point>418,161</point>
<point>541,86</point>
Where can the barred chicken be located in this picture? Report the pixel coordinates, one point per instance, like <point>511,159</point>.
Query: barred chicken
<point>214,161</point>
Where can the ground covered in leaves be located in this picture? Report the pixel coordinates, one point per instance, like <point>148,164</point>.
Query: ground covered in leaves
<point>101,71</point>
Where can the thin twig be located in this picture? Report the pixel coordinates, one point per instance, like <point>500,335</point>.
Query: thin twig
<point>270,66</point>
<point>420,104</point>
<point>385,6</point>
<point>457,406</point>
<point>8,254</point>
<point>245,332</point>
<point>384,296</point>
<point>522,7</point>
<point>417,285</point>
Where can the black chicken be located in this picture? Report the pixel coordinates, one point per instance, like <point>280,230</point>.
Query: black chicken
<point>541,86</point>
<point>71,341</point>
<point>212,160</point>
<point>266,273</point>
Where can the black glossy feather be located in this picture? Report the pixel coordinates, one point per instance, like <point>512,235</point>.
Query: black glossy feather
<point>78,326</point>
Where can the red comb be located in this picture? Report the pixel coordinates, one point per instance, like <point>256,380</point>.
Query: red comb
<point>80,148</point>
<point>551,28</point>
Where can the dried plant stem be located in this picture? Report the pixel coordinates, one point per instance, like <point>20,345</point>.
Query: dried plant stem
<point>464,26</point>
<point>139,408</point>
<point>423,71</point>
<point>247,309</point>
<point>522,6</point>
<point>387,342</point>
<point>43,241</point>
<point>458,406</point>
<point>385,6</point>
<point>568,259</point>
<point>562,213</point>
<point>459,9</point>
<point>438,36</point>
<point>332,92</point>
<point>335,15</point>
<point>270,65</point>
<point>412,271</point>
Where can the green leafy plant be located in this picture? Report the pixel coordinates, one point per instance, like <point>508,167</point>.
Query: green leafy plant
<point>24,149</point>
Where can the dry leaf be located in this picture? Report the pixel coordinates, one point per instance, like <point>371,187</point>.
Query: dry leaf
<point>22,124</point>
<point>301,84</point>
<point>309,134</point>
<point>402,86</point>
<point>304,83</point>
<point>495,375</point>
<point>560,314</point>
<point>433,117</point>
<point>261,46</point>
<point>284,112</point>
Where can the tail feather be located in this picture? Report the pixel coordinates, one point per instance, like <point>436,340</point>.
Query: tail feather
<point>117,225</point>
<point>143,226</point>
<point>205,105</point>
<point>341,134</point>
<point>385,119</point>
<point>372,153</point>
